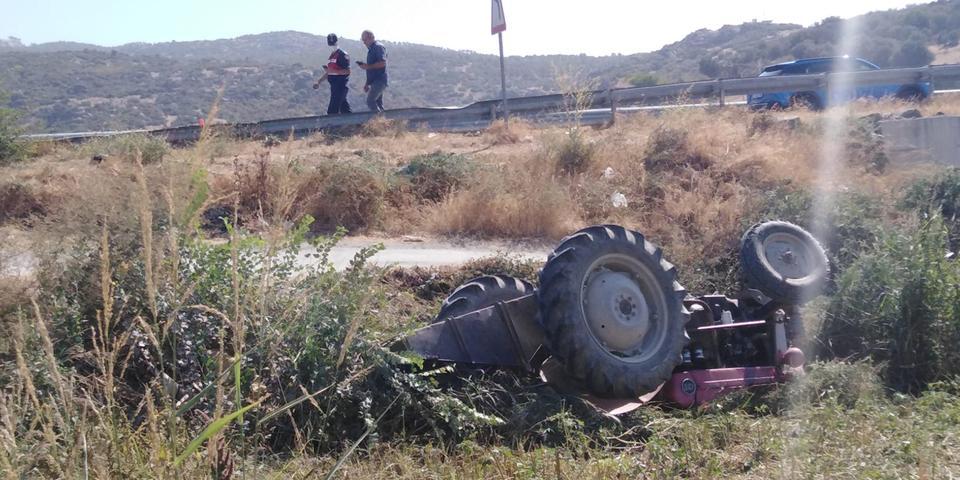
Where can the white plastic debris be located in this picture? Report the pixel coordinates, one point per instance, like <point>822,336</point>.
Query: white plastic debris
<point>431,135</point>
<point>609,173</point>
<point>619,200</point>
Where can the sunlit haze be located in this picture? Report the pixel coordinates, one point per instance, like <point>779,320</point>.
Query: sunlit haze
<point>598,27</point>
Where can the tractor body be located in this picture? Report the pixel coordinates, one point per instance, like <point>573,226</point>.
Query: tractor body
<point>611,322</point>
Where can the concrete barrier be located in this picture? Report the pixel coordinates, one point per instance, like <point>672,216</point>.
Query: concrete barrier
<point>930,139</point>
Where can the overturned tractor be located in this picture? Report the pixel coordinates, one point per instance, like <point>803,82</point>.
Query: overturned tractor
<point>611,321</point>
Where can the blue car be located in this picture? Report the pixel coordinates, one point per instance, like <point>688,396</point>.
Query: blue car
<point>817,99</point>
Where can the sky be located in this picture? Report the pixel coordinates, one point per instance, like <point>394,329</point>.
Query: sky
<point>595,27</point>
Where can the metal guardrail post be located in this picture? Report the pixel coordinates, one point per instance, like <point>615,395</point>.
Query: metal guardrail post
<point>612,98</point>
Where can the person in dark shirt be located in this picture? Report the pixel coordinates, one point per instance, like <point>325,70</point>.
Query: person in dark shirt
<point>337,73</point>
<point>376,68</point>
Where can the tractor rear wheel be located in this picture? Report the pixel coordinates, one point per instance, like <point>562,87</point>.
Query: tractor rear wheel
<point>783,261</point>
<point>482,292</point>
<point>612,311</point>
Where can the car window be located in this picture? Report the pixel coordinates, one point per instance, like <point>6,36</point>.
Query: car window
<point>772,71</point>
<point>844,66</point>
<point>819,67</point>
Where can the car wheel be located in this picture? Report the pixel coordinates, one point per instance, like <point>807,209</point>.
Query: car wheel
<point>807,100</point>
<point>911,93</point>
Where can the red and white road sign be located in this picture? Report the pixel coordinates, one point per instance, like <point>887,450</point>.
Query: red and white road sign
<point>497,21</point>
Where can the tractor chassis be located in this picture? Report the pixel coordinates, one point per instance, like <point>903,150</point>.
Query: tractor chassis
<point>509,335</point>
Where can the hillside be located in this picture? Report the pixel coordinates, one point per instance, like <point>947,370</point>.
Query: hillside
<point>264,76</point>
<point>66,86</point>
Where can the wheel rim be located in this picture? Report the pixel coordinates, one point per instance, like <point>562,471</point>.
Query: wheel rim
<point>623,307</point>
<point>788,255</point>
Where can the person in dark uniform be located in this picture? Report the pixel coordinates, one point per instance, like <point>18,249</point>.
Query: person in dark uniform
<point>337,73</point>
<point>376,67</point>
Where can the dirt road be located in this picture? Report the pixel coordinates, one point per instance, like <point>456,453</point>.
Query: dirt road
<point>404,252</point>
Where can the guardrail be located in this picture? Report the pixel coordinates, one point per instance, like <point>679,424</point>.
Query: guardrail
<point>549,108</point>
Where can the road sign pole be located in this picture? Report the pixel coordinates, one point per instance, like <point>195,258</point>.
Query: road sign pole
<point>503,81</point>
<point>497,25</point>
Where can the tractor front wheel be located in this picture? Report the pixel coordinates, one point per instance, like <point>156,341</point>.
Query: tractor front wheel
<point>783,261</point>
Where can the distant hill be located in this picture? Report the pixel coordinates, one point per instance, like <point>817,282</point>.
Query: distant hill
<point>66,86</point>
<point>264,76</point>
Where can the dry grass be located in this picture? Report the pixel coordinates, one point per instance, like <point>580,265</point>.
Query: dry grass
<point>20,202</point>
<point>522,198</point>
<point>944,55</point>
<point>692,195</point>
<point>503,133</point>
<point>380,126</point>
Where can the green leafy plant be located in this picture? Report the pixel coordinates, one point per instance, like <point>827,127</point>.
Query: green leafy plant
<point>938,195</point>
<point>11,148</point>
<point>899,305</point>
<point>434,175</point>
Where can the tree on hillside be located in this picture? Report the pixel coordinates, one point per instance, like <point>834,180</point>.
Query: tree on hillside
<point>643,80</point>
<point>912,53</point>
<point>807,49</point>
<point>709,67</point>
<point>917,19</point>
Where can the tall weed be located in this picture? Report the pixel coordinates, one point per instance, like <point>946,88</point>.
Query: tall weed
<point>899,305</point>
<point>938,195</point>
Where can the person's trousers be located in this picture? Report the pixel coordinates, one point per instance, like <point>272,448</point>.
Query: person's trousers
<point>338,94</point>
<point>375,95</point>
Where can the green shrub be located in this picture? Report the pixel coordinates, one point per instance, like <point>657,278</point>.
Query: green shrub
<point>669,150</point>
<point>297,326</point>
<point>852,224</point>
<point>347,194</point>
<point>865,145</point>
<point>643,80</point>
<point>11,149</point>
<point>19,202</point>
<point>434,175</point>
<point>845,383</point>
<point>573,153</point>
<point>501,264</point>
<point>787,203</point>
<point>940,195</point>
<point>899,305</point>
